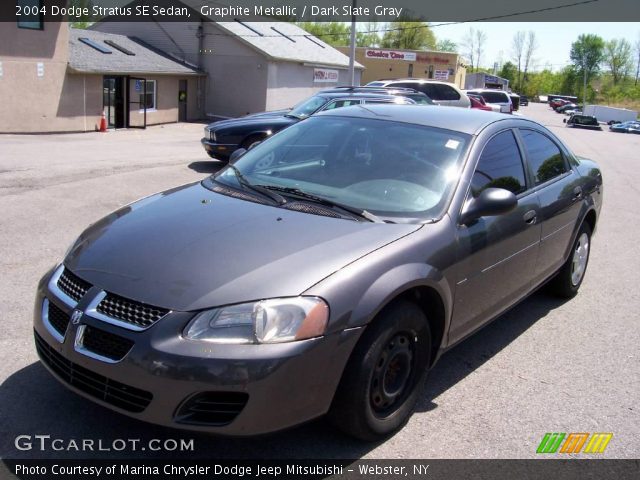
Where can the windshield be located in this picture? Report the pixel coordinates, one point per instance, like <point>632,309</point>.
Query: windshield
<point>307,107</point>
<point>388,168</point>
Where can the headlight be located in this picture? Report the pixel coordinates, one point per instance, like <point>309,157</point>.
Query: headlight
<point>267,321</point>
<point>210,134</point>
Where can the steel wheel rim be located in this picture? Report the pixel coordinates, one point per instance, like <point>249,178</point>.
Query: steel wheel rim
<point>392,374</point>
<point>580,257</point>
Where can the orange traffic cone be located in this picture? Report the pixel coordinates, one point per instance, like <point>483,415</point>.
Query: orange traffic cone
<point>103,123</point>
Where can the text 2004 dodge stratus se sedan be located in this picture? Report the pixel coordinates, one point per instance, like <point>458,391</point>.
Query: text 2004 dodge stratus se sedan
<point>322,272</point>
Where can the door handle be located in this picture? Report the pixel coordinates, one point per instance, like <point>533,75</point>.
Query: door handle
<point>530,217</point>
<point>577,192</point>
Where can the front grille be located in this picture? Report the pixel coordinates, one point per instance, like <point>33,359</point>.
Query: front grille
<point>129,311</point>
<point>105,344</point>
<point>212,408</point>
<point>58,319</point>
<point>311,209</point>
<point>114,393</point>
<point>72,285</point>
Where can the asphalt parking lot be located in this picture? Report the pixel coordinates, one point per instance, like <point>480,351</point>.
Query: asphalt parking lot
<point>545,366</point>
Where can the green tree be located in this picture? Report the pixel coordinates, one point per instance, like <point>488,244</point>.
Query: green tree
<point>84,21</point>
<point>446,45</point>
<point>619,58</point>
<point>409,35</point>
<point>369,36</point>
<point>587,54</point>
<point>336,34</point>
<point>510,72</point>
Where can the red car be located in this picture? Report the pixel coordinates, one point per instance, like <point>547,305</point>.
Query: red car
<point>558,102</point>
<point>479,103</point>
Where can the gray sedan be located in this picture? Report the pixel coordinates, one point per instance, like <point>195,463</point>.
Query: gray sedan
<point>322,272</point>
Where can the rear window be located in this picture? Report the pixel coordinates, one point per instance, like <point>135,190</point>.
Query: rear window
<point>585,120</point>
<point>495,97</point>
<point>375,84</point>
<point>434,91</point>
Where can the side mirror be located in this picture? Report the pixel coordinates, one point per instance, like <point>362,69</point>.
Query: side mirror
<point>237,154</point>
<point>492,201</point>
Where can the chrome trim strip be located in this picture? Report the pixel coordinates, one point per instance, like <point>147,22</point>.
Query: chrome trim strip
<point>79,347</point>
<point>94,313</point>
<point>53,288</point>
<point>47,324</point>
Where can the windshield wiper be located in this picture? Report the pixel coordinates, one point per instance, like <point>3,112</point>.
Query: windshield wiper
<point>359,212</point>
<point>242,180</point>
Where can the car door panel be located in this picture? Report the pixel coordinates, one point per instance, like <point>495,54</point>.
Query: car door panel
<point>497,254</point>
<point>559,193</point>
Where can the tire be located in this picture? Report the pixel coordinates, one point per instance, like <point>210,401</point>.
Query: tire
<point>385,374</point>
<point>567,281</point>
<point>250,140</point>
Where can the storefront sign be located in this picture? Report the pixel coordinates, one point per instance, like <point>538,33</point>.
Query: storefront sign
<point>390,55</point>
<point>325,75</point>
<point>441,75</point>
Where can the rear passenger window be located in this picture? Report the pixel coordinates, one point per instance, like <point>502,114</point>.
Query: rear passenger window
<point>500,166</point>
<point>544,156</point>
<point>445,92</point>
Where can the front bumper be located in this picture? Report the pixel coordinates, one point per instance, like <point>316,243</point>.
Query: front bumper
<point>283,384</point>
<point>218,150</point>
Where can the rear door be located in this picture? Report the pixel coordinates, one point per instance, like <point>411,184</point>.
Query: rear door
<point>559,192</point>
<point>498,254</point>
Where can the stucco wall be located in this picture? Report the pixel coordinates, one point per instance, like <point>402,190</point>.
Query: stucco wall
<point>31,103</point>
<point>290,83</point>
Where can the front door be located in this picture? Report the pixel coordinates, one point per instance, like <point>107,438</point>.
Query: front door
<point>138,94</point>
<point>499,252</point>
<point>113,97</point>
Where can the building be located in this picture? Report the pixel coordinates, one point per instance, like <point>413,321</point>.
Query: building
<point>57,79</point>
<point>485,80</point>
<point>382,63</point>
<point>250,66</point>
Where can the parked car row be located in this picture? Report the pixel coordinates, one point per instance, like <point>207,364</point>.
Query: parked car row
<point>626,127</point>
<point>224,137</point>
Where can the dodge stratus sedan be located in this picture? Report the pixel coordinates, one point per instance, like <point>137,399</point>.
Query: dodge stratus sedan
<point>323,272</point>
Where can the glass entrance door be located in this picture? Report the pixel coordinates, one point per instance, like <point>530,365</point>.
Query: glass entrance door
<point>113,101</point>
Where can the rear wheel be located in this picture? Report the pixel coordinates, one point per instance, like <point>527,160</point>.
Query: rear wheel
<point>569,278</point>
<point>384,377</point>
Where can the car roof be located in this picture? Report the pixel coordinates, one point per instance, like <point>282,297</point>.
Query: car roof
<point>357,95</point>
<point>416,80</point>
<point>465,120</point>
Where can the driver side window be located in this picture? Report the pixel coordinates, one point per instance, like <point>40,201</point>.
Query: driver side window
<point>500,166</point>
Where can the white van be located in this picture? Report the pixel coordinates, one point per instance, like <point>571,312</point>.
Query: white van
<point>442,93</point>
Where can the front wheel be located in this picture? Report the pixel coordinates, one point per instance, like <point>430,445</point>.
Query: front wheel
<point>384,377</point>
<point>569,278</point>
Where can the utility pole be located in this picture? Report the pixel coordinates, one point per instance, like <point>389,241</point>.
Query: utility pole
<point>352,50</point>
<point>584,91</point>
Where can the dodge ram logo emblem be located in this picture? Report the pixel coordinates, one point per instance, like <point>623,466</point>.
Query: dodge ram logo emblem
<point>76,316</point>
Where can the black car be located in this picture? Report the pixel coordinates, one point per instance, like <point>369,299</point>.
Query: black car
<point>583,121</point>
<point>567,106</point>
<point>323,272</point>
<point>524,100</point>
<point>224,137</point>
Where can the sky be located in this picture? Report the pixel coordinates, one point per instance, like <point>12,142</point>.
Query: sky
<point>554,38</point>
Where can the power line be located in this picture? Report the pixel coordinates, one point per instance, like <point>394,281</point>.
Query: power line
<point>416,27</point>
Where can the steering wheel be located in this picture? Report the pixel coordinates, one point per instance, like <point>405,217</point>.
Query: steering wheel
<point>397,192</point>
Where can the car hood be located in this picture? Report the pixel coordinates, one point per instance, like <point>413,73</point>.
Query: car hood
<point>259,120</point>
<point>191,248</point>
